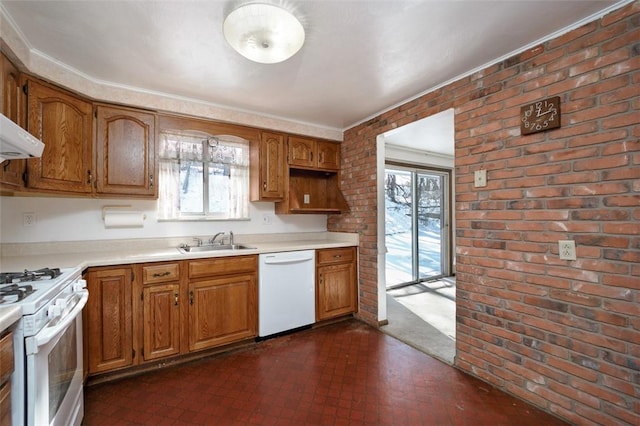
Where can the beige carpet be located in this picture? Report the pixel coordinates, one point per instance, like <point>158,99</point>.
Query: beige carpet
<point>423,316</point>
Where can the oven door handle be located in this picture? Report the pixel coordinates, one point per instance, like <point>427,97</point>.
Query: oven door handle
<point>33,344</point>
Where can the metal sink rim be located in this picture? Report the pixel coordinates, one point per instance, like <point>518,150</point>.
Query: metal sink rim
<point>214,247</point>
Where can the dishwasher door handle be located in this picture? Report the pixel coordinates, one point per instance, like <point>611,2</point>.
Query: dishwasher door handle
<point>281,260</point>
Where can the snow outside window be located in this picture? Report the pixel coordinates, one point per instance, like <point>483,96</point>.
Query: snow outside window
<point>203,176</point>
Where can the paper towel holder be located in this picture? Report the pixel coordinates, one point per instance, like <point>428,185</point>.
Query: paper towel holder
<point>106,210</point>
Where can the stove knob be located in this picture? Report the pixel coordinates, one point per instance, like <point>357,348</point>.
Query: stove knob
<point>54,311</point>
<point>62,304</point>
<point>79,285</point>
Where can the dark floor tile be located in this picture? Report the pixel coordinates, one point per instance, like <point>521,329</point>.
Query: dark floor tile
<point>343,374</point>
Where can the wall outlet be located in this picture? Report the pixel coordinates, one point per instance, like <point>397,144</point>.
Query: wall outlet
<point>28,219</point>
<point>567,249</point>
<point>267,219</point>
<point>480,178</point>
<point>306,199</point>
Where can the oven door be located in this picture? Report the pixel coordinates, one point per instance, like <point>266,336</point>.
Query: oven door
<point>54,369</point>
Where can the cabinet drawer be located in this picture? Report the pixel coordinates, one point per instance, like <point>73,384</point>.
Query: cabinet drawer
<point>6,357</point>
<point>338,255</point>
<point>160,273</point>
<point>223,266</point>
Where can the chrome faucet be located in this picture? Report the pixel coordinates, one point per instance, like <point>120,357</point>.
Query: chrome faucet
<point>198,241</point>
<point>213,240</point>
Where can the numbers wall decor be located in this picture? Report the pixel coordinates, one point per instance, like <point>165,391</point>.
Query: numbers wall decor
<point>540,116</point>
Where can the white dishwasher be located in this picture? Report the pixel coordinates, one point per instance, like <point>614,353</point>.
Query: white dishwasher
<point>286,295</point>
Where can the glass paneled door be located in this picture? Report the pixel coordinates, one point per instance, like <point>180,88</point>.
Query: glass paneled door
<point>416,225</point>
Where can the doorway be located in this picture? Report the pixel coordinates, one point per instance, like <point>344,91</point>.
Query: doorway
<point>416,265</point>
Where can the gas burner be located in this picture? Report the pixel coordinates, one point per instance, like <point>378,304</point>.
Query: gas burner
<point>14,292</point>
<point>19,277</point>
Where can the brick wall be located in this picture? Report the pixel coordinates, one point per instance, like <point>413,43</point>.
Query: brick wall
<point>563,335</point>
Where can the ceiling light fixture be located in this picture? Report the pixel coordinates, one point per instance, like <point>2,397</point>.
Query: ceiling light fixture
<point>263,33</point>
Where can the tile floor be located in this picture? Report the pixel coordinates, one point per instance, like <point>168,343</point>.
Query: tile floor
<point>343,374</point>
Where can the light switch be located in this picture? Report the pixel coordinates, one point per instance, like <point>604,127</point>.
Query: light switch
<point>480,178</point>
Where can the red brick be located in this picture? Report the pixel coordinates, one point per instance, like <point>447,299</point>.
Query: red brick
<point>624,415</point>
<point>622,201</point>
<point>599,392</point>
<point>621,68</point>
<point>573,369</point>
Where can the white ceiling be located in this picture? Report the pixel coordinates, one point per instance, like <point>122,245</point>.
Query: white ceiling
<point>434,134</point>
<point>360,57</point>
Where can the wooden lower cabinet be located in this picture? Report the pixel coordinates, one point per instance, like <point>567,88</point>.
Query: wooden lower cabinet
<point>108,316</point>
<point>161,321</point>
<point>336,286</point>
<point>6,368</point>
<point>223,301</point>
<point>222,311</point>
<point>139,314</point>
<point>162,310</point>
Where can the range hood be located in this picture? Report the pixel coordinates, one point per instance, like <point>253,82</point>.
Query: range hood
<point>15,142</point>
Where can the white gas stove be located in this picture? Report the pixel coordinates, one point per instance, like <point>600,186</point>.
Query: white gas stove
<point>47,381</point>
<point>32,290</point>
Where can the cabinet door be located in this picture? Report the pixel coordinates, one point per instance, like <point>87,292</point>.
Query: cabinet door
<point>222,310</point>
<point>63,122</point>
<point>272,166</point>
<point>336,291</point>
<point>11,171</point>
<point>302,152</point>
<point>328,155</point>
<point>125,152</point>
<point>5,404</point>
<point>161,320</point>
<point>109,340</point>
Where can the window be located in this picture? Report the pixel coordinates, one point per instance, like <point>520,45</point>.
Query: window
<point>416,224</point>
<point>203,176</point>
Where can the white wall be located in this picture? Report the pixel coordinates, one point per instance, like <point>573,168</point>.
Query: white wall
<point>76,219</point>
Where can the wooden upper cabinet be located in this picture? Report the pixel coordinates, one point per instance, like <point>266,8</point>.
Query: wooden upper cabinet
<point>328,155</point>
<point>313,154</point>
<point>11,171</point>
<point>268,167</point>
<point>302,152</point>
<point>125,152</point>
<point>64,123</point>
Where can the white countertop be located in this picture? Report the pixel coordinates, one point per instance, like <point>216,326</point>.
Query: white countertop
<point>9,315</point>
<point>17,257</point>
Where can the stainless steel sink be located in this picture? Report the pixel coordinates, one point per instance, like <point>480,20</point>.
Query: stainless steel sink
<point>213,247</point>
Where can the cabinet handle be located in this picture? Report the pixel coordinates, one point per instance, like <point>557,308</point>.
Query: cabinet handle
<point>337,256</point>
<point>150,181</point>
<point>191,297</point>
<point>161,274</point>
<point>264,186</point>
<point>320,278</point>
<point>175,299</point>
<point>89,177</point>
<point>311,156</point>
